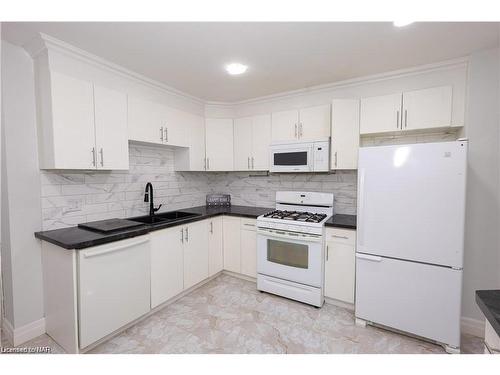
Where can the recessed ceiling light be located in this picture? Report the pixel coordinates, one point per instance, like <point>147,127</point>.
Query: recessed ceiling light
<point>402,23</point>
<point>236,68</point>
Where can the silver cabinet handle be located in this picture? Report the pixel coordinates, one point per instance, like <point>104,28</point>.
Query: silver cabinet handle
<point>248,162</point>
<point>166,134</point>
<point>296,134</point>
<point>187,235</point>
<point>96,253</point>
<point>343,237</point>
<point>335,158</point>
<point>182,235</point>
<point>397,120</point>
<point>161,134</point>
<point>327,251</point>
<point>300,130</point>
<point>102,157</point>
<point>93,156</point>
<point>406,119</point>
<point>212,227</point>
<point>253,165</point>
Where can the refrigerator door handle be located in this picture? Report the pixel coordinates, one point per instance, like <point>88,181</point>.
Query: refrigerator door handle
<point>372,258</point>
<point>361,203</point>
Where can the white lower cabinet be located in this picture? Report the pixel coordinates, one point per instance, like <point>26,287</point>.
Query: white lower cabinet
<point>114,287</point>
<point>248,248</point>
<point>167,264</point>
<point>195,253</point>
<point>232,244</point>
<point>340,264</point>
<point>215,246</point>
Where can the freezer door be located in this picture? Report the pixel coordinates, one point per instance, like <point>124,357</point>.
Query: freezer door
<point>411,202</point>
<point>412,297</point>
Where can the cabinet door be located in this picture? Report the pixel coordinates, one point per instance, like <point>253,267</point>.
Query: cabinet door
<point>345,134</point>
<point>215,246</point>
<point>242,144</point>
<point>261,139</point>
<point>73,122</point>
<point>429,108</point>
<point>196,135</point>
<point>195,253</point>
<point>232,244</point>
<point>167,264</point>
<point>114,287</point>
<point>380,114</point>
<point>144,119</point>
<point>314,123</point>
<point>248,248</point>
<point>285,125</point>
<point>111,128</point>
<point>219,144</point>
<point>339,271</point>
<point>174,124</point>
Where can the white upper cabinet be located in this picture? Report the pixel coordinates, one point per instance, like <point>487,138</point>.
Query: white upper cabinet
<point>252,137</point>
<point>70,120</point>
<point>380,114</point>
<point>314,123</point>
<point>192,158</point>
<point>345,134</point>
<point>81,125</point>
<point>243,144</point>
<point>305,124</point>
<point>219,144</point>
<point>429,108</point>
<point>111,128</point>
<point>153,122</point>
<point>410,110</point>
<point>261,139</point>
<point>285,125</point>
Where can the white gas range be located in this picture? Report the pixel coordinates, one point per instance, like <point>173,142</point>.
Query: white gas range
<point>290,246</point>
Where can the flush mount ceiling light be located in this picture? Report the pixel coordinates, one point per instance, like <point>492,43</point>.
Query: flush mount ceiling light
<point>402,23</point>
<point>236,68</point>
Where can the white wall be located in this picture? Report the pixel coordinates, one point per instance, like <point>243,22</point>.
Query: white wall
<point>482,215</point>
<point>21,197</point>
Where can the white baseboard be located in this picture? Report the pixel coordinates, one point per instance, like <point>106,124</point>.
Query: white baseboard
<point>474,327</point>
<point>18,336</point>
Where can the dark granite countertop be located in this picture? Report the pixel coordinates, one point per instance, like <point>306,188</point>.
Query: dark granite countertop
<point>79,238</point>
<point>489,303</point>
<point>342,221</point>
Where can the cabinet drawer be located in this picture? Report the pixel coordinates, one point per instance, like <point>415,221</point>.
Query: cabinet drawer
<point>346,236</point>
<point>248,224</point>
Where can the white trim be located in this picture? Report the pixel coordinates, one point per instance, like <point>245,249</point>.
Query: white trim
<point>18,336</point>
<point>474,327</point>
<point>8,330</point>
<point>45,42</point>
<point>342,304</point>
<point>393,74</point>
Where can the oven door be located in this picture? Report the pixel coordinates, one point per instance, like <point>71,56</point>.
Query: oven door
<point>290,256</point>
<point>292,158</point>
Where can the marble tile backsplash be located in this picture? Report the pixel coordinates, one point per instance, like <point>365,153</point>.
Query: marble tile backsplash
<point>72,197</point>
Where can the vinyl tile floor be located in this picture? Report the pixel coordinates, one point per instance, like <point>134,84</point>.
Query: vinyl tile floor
<point>228,315</point>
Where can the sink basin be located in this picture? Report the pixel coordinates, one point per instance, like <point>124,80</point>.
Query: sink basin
<point>164,217</point>
<point>148,219</point>
<point>176,215</point>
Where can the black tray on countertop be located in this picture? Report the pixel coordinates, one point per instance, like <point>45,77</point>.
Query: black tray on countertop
<point>110,225</point>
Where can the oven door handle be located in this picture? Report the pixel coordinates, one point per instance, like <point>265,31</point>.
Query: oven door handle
<point>289,235</point>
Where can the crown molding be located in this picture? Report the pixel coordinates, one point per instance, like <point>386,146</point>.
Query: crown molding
<point>394,74</point>
<point>44,42</point>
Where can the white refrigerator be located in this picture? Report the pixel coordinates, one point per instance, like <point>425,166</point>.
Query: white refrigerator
<point>410,238</point>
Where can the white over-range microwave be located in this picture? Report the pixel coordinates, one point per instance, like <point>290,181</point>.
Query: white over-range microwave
<point>296,157</point>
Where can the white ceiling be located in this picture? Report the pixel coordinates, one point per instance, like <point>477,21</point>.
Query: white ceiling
<point>281,56</point>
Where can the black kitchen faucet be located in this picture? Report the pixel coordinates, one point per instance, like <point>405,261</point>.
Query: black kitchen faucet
<point>148,197</point>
